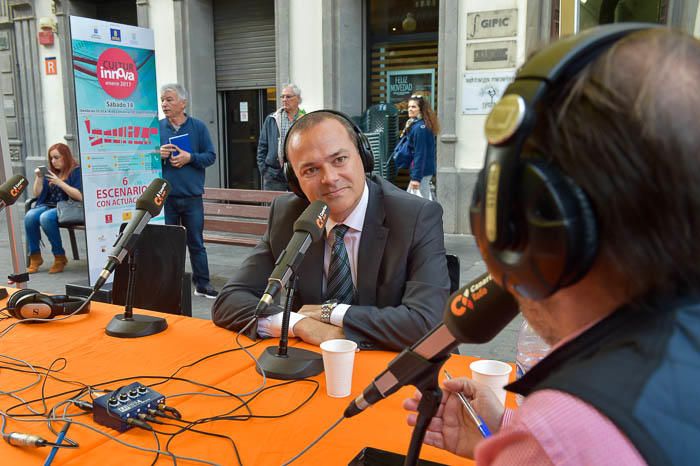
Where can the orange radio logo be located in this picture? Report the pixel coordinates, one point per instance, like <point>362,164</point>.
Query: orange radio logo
<point>17,189</point>
<point>160,196</point>
<point>322,217</point>
<point>461,303</point>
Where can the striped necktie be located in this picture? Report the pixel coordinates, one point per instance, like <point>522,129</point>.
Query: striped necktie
<point>339,284</point>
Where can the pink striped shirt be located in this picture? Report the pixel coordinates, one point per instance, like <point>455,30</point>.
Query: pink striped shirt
<point>553,427</point>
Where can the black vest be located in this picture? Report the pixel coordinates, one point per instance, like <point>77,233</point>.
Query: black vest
<point>640,367</point>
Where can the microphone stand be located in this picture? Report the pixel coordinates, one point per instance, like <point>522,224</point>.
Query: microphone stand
<point>128,325</point>
<point>427,408</point>
<point>284,363</point>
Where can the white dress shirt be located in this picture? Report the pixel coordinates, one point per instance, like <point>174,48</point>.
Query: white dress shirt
<point>270,326</point>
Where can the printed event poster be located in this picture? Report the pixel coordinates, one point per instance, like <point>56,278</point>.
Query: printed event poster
<point>117,108</point>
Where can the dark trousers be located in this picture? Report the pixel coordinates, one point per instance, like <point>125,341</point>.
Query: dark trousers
<point>270,184</point>
<point>189,212</point>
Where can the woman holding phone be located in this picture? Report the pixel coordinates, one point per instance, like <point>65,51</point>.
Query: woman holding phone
<point>60,182</point>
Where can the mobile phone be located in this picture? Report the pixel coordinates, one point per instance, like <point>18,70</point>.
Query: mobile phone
<point>44,171</point>
<point>369,456</point>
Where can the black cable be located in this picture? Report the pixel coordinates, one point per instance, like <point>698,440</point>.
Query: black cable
<point>211,434</point>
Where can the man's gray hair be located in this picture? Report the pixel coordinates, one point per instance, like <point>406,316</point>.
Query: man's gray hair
<point>295,89</point>
<point>177,89</point>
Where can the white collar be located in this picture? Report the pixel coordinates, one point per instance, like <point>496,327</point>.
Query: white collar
<point>356,219</point>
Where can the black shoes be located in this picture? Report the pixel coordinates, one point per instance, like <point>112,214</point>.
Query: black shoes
<point>207,292</point>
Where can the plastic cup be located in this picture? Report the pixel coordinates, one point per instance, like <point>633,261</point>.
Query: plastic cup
<point>495,374</point>
<point>338,360</point>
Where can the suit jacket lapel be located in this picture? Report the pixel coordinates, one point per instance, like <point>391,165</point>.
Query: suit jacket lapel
<point>372,242</point>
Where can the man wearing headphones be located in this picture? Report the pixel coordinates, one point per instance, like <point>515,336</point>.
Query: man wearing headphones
<point>598,240</point>
<point>379,277</point>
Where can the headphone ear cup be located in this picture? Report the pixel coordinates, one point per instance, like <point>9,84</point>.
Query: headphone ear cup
<point>365,150</point>
<point>34,305</point>
<point>292,180</point>
<point>588,234</point>
<point>14,298</point>
<point>560,233</point>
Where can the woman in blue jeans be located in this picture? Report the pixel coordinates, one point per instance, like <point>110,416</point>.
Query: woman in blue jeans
<point>61,182</point>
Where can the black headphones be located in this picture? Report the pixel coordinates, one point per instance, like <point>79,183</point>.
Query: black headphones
<point>361,143</point>
<point>534,226</point>
<point>31,304</point>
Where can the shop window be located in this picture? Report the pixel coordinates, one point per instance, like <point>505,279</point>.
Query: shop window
<point>403,51</point>
<point>595,12</point>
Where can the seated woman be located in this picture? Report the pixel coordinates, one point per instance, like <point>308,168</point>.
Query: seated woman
<point>416,148</point>
<point>61,182</point>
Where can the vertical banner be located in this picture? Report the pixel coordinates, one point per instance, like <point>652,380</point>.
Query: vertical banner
<point>117,109</point>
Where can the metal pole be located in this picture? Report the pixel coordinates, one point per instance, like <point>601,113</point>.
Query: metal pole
<point>14,232</point>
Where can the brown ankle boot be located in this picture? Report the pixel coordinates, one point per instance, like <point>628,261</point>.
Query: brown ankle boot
<point>59,263</point>
<point>35,260</point>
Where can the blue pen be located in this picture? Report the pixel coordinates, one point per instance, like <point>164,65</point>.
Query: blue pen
<point>59,439</point>
<point>483,428</point>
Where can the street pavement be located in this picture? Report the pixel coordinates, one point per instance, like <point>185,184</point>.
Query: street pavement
<point>223,259</point>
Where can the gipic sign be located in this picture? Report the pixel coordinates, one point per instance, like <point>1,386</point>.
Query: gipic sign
<point>117,73</point>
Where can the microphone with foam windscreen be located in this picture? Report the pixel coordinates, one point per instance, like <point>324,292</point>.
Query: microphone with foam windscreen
<point>474,314</point>
<point>11,189</point>
<point>148,205</point>
<point>307,229</point>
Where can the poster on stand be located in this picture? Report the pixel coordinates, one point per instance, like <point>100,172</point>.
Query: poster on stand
<point>116,99</point>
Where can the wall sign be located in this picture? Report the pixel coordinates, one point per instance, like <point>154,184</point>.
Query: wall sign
<point>50,66</point>
<point>495,23</point>
<point>489,55</point>
<point>482,89</point>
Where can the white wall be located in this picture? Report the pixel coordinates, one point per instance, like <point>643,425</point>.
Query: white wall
<point>161,18</point>
<point>471,143</point>
<point>51,86</point>
<point>306,51</point>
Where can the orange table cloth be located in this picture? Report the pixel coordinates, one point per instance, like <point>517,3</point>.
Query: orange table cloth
<point>92,357</point>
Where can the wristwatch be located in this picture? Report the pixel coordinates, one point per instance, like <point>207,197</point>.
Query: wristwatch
<point>327,309</point>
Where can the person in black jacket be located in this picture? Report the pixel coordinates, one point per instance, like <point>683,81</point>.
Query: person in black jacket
<point>272,136</point>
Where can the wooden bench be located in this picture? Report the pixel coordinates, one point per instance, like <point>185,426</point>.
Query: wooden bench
<point>240,215</point>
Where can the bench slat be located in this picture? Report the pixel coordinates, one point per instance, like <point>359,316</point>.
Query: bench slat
<point>236,241</point>
<point>235,226</point>
<point>240,195</point>
<point>236,210</point>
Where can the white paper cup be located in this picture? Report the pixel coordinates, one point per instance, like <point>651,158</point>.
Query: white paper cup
<point>492,373</point>
<point>338,359</point>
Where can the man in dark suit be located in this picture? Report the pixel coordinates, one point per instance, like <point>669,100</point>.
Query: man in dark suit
<point>383,254</point>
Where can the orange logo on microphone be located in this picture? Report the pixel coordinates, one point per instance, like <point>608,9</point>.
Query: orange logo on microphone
<point>322,217</point>
<point>160,196</point>
<point>461,303</point>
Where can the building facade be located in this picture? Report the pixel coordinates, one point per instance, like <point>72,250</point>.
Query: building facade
<point>233,56</point>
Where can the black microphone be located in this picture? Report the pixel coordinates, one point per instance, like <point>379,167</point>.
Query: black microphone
<point>473,314</point>
<point>11,189</point>
<point>307,229</point>
<point>148,205</point>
